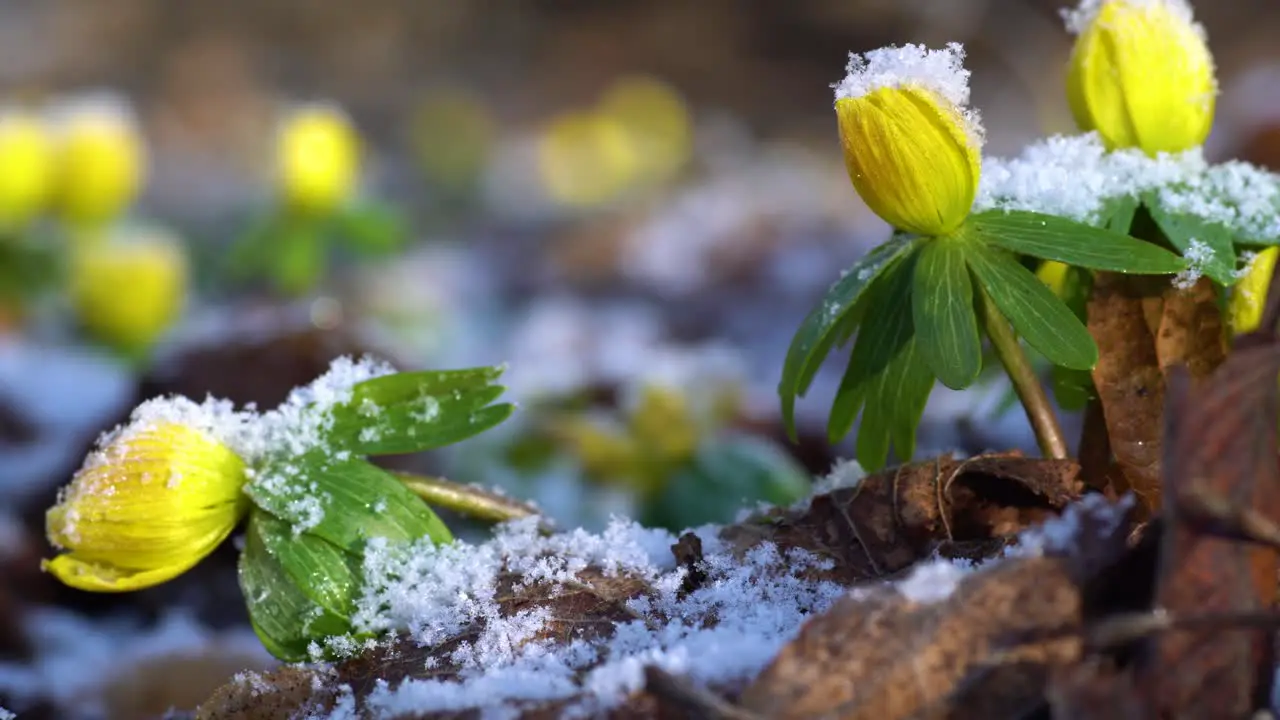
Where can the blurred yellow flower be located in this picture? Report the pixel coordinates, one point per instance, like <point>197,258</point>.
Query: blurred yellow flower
<point>146,508</point>
<point>657,120</point>
<point>1141,74</point>
<point>586,159</point>
<point>26,168</point>
<point>101,163</point>
<point>1244,309</point>
<point>317,160</point>
<point>911,148</point>
<point>127,292</point>
<point>1054,274</point>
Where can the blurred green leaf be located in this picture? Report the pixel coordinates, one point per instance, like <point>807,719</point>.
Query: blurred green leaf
<point>370,228</point>
<point>299,258</point>
<point>345,501</point>
<point>946,326</point>
<point>415,411</point>
<point>833,321</point>
<point>1119,212</point>
<point>1043,320</point>
<point>723,477</point>
<point>1053,238</point>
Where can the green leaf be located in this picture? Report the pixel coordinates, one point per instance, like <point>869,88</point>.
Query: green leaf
<point>328,576</point>
<point>282,615</point>
<point>1043,320</point>
<point>881,336</point>
<point>887,375</point>
<point>1183,230</point>
<point>833,319</point>
<point>344,501</point>
<point>1053,238</point>
<point>946,326</point>
<point>416,411</point>
<point>370,228</point>
<point>1119,213</point>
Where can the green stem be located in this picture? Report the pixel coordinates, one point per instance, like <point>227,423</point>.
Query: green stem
<point>1044,422</point>
<point>470,501</point>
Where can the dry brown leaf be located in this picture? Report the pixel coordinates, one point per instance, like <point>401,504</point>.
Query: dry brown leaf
<point>1191,331</point>
<point>1129,382</point>
<point>881,656</point>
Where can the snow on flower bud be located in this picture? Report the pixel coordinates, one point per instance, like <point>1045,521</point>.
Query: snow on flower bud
<point>148,506</point>
<point>317,160</point>
<point>911,146</point>
<point>1141,74</point>
<point>1244,309</point>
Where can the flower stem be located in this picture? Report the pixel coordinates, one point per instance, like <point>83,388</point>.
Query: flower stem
<point>470,501</point>
<point>1044,422</point>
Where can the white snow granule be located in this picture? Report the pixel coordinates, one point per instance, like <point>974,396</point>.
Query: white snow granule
<point>933,581</point>
<point>7,714</point>
<point>1198,255</point>
<point>940,71</point>
<point>1063,532</point>
<point>1079,18</point>
<point>1075,177</point>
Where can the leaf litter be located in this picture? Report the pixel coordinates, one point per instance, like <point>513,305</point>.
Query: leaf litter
<point>991,586</point>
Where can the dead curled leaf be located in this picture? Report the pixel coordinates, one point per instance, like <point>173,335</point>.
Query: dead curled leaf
<point>1129,382</point>
<point>1223,444</point>
<point>879,655</point>
<point>891,519</point>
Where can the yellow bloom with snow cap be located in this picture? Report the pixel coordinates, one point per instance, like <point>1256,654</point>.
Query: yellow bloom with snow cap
<point>1141,74</point>
<point>317,159</point>
<point>911,147</point>
<point>145,509</point>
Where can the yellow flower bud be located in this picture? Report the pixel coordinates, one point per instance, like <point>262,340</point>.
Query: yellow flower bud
<point>146,508</point>
<point>101,164</point>
<point>1244,309</point>
<point>911,148</point>
<point>317,160</point>
<point>26,169</point>
<point>1141,74</point>
<point>128,292</point>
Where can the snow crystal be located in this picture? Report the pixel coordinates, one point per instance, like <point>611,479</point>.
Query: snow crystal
<point>941,71</point>
<point>932,581</point>
<point>725,631</point>
<point>1075,177</point>
<point>1079,19</point>
<point>1198,255</point>
<point>1063,532</point>
<point>7,714</point>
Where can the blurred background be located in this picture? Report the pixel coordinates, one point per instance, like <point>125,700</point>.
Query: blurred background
<point>633,204</point>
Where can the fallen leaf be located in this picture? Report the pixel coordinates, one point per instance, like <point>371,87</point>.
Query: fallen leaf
<point>1129,381</point>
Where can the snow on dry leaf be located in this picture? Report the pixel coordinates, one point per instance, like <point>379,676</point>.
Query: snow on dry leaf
<point>720,634</point>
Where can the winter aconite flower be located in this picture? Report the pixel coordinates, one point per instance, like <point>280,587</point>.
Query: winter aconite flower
<point>127,291</point>
<point>146,508</point>
<point>317,160</point>
<point>911,147</point>
<point>1141,74</point>
<point>101,161</point>
<point>26,168</point>
<point>1248,296</point>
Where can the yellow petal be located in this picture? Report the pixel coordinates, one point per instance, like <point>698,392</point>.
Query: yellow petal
<point>911,157</point>
<point>150,504</point>
<point>317,160</point>
<point>97,577</point>
<point>1244,309</point>
<point>1141,75</point>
